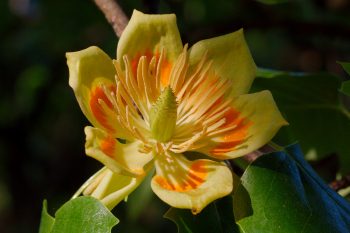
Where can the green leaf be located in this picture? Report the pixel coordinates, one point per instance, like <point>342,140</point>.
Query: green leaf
<point>80,215</point>
<point>281,193</point>
<point>215,218</point>
<point>345,87</point>
<point>310,103</point>
<point>47,220</point>
<point>346,66</point>
<point>271,2</point>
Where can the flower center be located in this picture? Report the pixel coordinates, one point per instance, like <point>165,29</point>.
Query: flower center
<point>168,105</point>
<point>163,116</point>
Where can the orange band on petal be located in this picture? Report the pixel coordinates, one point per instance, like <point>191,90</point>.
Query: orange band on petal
<point>96,108</point>
<point>198,172</point>
<point>108,146</point>
<point>236,136</point>
<point>164,183</point>
<point>194,178</point>
<point>233,118</point>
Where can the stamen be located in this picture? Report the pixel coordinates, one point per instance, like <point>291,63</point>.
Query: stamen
<point>217,124</point>
<point>224,130</point>
<point>178,73</point>
<point>187,103</point>
<point>167,146</point>
<point>192,78</point>
<point>215,93</point>
<point>159,148</point>
<point>129,76</point>
<point>152,79</point>
<point>140,136</point>
<point>146,81</point>
<point>146,148</point>
<point>216,113</point>
<point>158,71</point>
<point>189,143</point>
<point>139,76</point>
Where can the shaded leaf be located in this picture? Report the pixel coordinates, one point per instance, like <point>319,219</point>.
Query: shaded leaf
<point>346,66</point>
<point>215,218</point>
<point>345,87</point>
<point>281,193</point>
<point>47,221</point>
<point>310,103</point>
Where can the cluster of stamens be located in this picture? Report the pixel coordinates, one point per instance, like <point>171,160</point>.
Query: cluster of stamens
<point>199,92</point>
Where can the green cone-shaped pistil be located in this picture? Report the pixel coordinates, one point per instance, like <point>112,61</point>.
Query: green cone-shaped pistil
<point>163,116</point>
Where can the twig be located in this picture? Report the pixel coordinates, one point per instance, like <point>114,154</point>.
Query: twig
<point>268,148</point>
<point>114,15</point>
<point>252,156</point>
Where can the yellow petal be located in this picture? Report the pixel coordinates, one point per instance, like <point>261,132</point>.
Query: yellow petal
<point>254,120</point>
<point>90,71</point>
<point>190,184</point>
<point>111,188</point>
<point>150,33</point>
<point>120,158</point>
<point>231,59</point>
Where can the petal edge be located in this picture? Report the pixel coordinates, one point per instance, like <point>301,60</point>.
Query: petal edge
<point>231,59</point>
<point>258,121</point>
<point>195,187</point>
<point>161,31</point>
<point>125,159</point>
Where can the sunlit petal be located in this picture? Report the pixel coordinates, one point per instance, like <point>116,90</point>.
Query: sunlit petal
<point>111,188</point>
<point>92,75</point>
<point>190,184</point>
<point>251,122</point>
<point>148,35</point>
<point>231,60</point>
<point>126,159</point>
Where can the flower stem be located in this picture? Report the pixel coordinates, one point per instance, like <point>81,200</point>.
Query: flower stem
<point>114,15</point>
<point>268,148</point>
<point>275,146</point>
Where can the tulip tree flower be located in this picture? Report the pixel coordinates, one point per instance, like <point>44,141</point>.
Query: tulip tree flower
<point>158,101</point>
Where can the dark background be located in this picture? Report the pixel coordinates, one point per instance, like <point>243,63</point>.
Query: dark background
<point>41,125</point>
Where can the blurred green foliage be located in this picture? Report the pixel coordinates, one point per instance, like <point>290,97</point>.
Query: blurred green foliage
<point>41,125</point>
